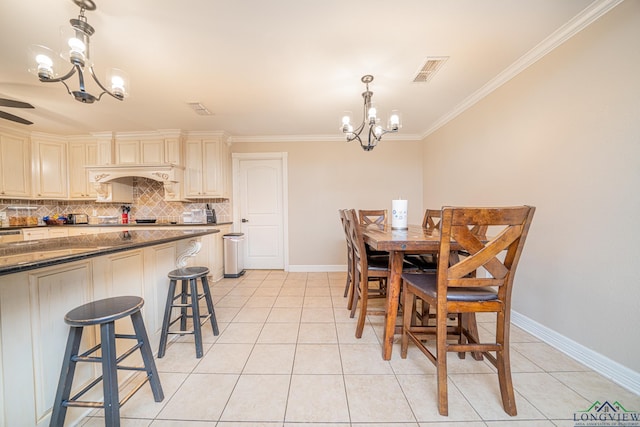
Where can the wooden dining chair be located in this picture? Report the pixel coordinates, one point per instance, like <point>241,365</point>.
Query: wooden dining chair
<point>377,217</point>
<point>349,283</point>
<point>372,216</point>
<point>427,262</point>
<point>456,289</point>
<point>431,219</point>
<point>365,268</point>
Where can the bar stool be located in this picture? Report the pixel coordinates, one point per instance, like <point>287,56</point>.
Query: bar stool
<point>189,299</point>
<point>104,313</point>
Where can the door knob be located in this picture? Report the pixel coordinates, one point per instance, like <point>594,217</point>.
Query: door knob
<point>245,220</point>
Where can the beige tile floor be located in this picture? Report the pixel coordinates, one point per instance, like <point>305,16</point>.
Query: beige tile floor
<point>287,356</point>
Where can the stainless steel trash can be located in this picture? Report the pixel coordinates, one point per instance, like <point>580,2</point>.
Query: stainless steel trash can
<point>233,254</point>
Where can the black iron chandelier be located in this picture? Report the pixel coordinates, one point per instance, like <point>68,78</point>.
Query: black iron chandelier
<point>75,49</point>
<point>369,117</point>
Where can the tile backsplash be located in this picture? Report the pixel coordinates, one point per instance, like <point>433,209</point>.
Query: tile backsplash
<point>148,202</point>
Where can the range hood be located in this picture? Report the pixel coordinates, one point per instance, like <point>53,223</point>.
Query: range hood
<point>104,178</point>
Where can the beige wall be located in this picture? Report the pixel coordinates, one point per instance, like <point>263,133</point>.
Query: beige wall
<point>564,136</point>
<point>327,176</point>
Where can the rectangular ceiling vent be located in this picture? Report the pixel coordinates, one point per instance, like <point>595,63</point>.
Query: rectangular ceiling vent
<point>430,68</point>
<point>200,109</point>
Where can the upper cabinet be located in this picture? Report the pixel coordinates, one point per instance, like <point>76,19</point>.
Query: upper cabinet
<point>15,166</point>
<point>147,149</point>
<point>207,167</point>
<point>81,154</point>
<point>49,168</point>
<point>194,165</point>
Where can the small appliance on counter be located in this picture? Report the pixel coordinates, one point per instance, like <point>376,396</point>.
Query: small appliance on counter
<point>211,215</point>
<point>195,216</point>
<point>107,220</point>
<point>77,218</point>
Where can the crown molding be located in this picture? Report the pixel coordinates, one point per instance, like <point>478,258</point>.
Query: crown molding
<point>315,138</point>
<point>589,15</point>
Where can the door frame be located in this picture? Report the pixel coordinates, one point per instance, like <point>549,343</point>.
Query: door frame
<point>283,157</point>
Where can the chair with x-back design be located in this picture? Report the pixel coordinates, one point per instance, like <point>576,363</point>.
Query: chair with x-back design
<point>372,216</point>
<point>365,269</point>
<point>459,287</point>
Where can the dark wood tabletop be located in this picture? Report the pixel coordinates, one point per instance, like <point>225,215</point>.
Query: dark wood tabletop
<point>414,239</point>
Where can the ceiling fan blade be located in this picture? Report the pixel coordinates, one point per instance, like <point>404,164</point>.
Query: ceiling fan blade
<point>7,116</point>
<point>4,102</point>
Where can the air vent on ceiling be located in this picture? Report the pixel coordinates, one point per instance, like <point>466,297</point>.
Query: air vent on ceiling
<point>200,109</point>
<point>430,68</point>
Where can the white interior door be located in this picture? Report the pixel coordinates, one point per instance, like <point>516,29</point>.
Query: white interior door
<point>260,211</point>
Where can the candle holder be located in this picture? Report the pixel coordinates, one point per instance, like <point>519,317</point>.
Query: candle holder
<point>399,209</point>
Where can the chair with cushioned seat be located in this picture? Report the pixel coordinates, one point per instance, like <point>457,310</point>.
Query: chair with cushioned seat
<point>365,268</point>
<point>348,287</point>
<point>427,261</point>
<point>456,287</point>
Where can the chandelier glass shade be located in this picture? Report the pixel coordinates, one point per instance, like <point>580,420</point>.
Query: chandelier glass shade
<point>75,42</point>
<point>370,121</point>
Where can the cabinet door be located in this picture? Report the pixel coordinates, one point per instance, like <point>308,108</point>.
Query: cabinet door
<point>193,169</point>
<point>105,153</point>
<point>81,154</point>
<point>211,170</point>
<point>35,233</point>
<point>172,151</point>
<point>58,232</point>
<point>127,152</point>
<point>226,169</point>
<point>152,152</point>
<point>217,271</point>
<point>51,169</point>
<point>15,169</point>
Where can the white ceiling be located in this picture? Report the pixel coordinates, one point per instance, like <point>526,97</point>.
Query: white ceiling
<point>280,68</point>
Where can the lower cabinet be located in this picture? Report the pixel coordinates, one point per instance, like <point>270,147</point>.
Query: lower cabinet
<point>33,333</point>
<point>217,269</point>
<point>35,233</point>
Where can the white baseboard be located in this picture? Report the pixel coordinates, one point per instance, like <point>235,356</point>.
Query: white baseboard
<point>316,268</point>
<point>616,372</point>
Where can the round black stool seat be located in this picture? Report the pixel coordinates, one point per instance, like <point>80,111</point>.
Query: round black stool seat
<point>186,302</point>
<point>104,310</point>
<point>186,273</point>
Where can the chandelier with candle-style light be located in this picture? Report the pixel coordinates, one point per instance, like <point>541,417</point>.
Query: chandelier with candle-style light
<point>370,118</point>
<point>75,49</point>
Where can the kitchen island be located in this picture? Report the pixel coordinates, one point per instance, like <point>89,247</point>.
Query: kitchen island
<point>40,281</point>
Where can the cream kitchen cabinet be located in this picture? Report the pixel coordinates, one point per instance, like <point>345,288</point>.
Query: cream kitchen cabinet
<point>81,154</point>
<point>35,233</point>
<point>207,162</point>
<point>82,231</point>
<point>41,233</point>
<point>15,167</point>
<point>50,169</point>
<point>147,151</point>
<point>217,269</point>
<point>55,232</point>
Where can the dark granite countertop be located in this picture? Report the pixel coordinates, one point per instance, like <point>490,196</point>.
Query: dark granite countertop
<point>29,255</point>
<point>132,225</point>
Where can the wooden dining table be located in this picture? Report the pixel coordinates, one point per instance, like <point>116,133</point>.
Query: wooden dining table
<point>398,242</point>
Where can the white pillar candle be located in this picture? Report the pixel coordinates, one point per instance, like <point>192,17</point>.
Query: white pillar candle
<point>399,210</point>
